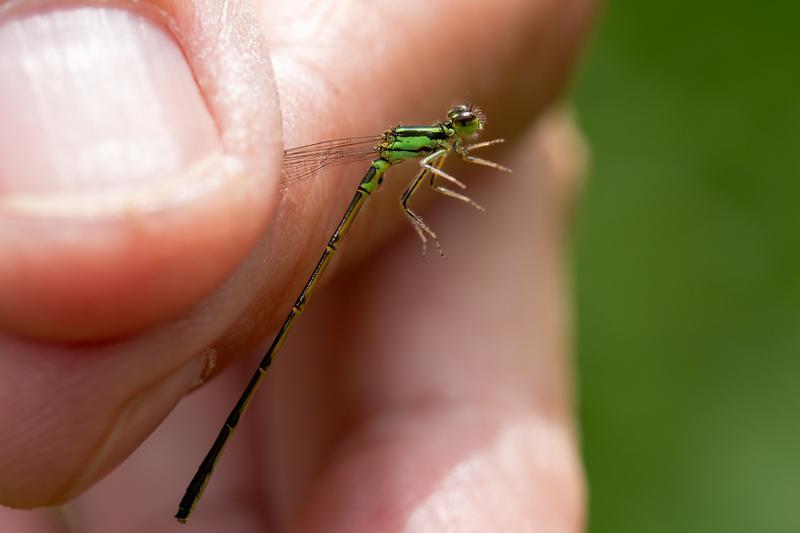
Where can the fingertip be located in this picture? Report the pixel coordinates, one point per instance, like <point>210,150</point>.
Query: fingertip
<point>138,162</point>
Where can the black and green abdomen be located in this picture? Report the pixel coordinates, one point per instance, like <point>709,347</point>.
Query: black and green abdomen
<point>374,176</point>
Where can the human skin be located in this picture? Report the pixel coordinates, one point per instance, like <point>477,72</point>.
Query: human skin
<point>412,396</point>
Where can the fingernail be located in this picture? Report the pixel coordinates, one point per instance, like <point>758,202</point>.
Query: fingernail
<point>96,102</point>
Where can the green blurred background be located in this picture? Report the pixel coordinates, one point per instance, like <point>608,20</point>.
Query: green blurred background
<point>687,261</point>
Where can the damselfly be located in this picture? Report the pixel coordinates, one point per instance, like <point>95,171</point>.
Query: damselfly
<point>430,144</point>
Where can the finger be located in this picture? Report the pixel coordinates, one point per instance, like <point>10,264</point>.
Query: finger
<point>129,226</point>
<point>436,395</point>
<point>367,65</point>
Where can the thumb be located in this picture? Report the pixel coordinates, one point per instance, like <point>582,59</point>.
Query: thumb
<point>138,157</point>
<point>118,171</point>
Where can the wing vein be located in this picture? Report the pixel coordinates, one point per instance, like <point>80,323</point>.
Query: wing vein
<point>304,162</point>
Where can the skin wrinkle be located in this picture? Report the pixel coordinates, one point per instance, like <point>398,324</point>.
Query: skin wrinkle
<point>375,432</point>
<point>491,462</point>
<point>488,426</point>
<point>94,456</point>
<point>361,429</point>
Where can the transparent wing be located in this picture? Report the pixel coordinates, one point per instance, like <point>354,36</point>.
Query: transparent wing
<point>305,161</point>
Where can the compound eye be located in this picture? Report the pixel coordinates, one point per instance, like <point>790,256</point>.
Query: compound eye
<point>464,119</point>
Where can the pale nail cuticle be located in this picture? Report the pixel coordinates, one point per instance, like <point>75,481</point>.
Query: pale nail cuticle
<point>205,175</point>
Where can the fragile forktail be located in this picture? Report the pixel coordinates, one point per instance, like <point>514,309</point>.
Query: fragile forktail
<point>430,144</point>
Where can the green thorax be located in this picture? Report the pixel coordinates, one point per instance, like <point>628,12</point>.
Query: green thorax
<point>412,142</point>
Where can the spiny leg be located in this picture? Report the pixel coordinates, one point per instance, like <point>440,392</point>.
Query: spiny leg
<point>416,221</point>
<point>484,144</point>
<point>419,231</point>
<point>423,228</point>
<point>438,158</point>
<point>448,192</point>
<point>457,196</point>
<point>464,151</point>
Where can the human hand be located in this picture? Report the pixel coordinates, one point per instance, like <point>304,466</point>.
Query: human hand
<point>420,395</point>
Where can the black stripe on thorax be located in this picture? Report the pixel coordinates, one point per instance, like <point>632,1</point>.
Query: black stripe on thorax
<point>433,132</point>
